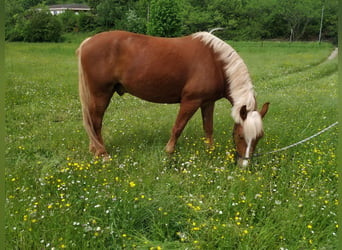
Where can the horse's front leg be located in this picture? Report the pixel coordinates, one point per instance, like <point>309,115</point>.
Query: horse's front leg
<point>186,111</point>
<point>207,111</point>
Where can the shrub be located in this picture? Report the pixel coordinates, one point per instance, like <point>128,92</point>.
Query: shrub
<point>110,14</point>
<point>165,18</point>
<point>69,20</point>
<point>15,31</point>
<point>134,23</point>
<point>42,26</point>
<point>34,25</point>
<point>86,22</point>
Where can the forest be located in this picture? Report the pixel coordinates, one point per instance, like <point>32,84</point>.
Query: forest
<point>293,20</point>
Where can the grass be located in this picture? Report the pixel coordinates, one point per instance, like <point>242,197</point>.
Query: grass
<point>58,196</point>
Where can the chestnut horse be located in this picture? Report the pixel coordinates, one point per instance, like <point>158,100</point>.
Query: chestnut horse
<point>194,71</point>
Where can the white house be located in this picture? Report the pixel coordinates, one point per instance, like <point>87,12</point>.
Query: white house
<point>61,8</point>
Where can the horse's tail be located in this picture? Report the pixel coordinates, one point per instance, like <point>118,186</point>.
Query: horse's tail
<point>85,96</point>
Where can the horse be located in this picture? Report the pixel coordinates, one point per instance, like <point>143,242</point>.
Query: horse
<point>194,70</point>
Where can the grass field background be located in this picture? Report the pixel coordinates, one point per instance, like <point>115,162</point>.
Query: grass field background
<point>58,196</point>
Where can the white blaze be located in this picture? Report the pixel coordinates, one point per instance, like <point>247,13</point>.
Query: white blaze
<point>245,161</point>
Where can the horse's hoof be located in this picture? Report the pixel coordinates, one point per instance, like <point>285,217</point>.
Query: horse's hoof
<point>170,150</point>
<point>101,153</point>
<point>242,163</point>
<point>106,158</point>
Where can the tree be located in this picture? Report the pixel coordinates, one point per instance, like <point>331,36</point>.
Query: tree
<point>30,3</point>
<point>165,18</point>
<point>299,14</point>
<point>93,5</point>
<point>134,23</point>
<point>13,11</point>
<point>241,19</point>
<point>197,19</point>
<point>330,19</point>
<point>230,15</point>
<point>111,13</point>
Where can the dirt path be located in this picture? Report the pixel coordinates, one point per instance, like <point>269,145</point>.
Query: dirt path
<point>333,54</point>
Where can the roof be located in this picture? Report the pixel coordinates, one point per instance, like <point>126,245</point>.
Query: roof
<point>73,6</point>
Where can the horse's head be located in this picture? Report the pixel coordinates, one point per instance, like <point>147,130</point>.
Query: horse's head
<point>247,133</point>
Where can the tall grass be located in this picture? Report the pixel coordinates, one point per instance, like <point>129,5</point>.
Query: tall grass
<point>58,196</point>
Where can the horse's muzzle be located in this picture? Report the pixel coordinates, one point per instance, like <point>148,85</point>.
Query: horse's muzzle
<point>242,161</point>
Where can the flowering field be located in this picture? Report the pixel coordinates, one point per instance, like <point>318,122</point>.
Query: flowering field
<point>58,196</point>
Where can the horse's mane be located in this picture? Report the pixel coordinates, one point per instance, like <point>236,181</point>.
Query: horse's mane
<point>237,76</point>
<point>252,126</point>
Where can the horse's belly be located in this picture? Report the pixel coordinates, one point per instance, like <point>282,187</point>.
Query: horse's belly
<point>155,93</point>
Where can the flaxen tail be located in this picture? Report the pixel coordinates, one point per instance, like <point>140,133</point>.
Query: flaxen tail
<point>85,97</point>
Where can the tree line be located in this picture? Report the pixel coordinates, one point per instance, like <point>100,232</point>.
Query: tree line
<point>30,20</point>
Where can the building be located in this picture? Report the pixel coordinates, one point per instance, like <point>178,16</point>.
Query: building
<point>61,8</point>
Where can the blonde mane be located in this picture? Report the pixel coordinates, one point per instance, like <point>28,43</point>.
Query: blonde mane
<point>252,126</point>
<point>237,76</point>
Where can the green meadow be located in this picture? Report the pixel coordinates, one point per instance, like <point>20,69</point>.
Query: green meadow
<point>58,196</point>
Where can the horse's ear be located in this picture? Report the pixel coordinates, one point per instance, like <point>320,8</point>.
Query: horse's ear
<point>243,112</point>
<point>264,109</point>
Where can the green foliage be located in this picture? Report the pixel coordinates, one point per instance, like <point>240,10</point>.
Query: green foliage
<point>29,3</point>
<point>165,18</point>
<point>241,20</point>
<point>134,23</point>
<point>42,26</point>
<point>93,4</point>
<point>35,25</point>
<point>110,13</point>
<point>69,21</point>
<point>27,23</point>
<point>14,21</point>
<point>86,22</point>
<point>58,196</point>
<point>299,14</point>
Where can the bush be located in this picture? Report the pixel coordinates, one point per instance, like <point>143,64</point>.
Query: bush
<point>110,14</point>
<point>134,23</point>
<point>86,22</point>
<point>15,31</point>
<point>69,21</point>
<point>42,26</point>
<point>34,25</point>
<point>165,18</point>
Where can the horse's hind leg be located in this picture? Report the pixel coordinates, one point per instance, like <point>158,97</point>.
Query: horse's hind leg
<point>186,111</point>
<point>207,111</point>
<point>97,107</point>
